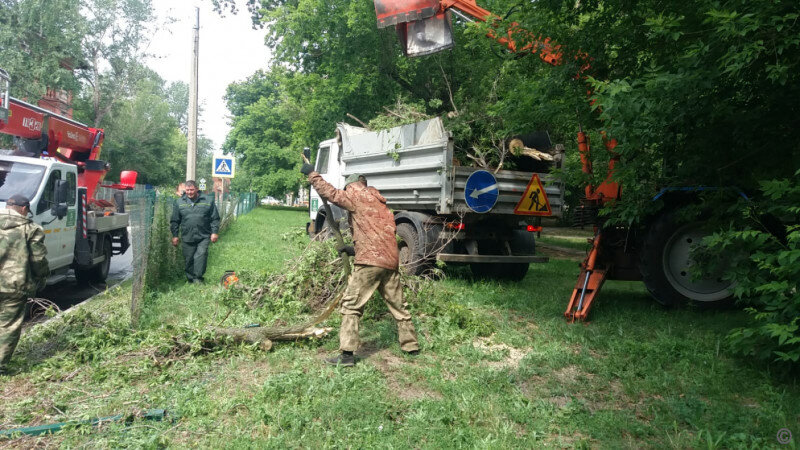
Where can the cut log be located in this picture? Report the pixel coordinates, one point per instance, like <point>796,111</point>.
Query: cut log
<point>264,336</point>
<point>518,149</point>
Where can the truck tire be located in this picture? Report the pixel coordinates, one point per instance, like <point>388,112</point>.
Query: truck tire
<point>664,263</point>
<point>411,255</point>
<point>99,272</point>
<point>521,244</point>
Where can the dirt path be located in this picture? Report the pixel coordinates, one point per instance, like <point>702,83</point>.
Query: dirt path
<point>554,251</point>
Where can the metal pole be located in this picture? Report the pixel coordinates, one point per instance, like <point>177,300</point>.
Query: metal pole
<point>191,150</point>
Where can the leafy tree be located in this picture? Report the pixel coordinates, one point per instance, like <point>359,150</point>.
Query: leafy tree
<point>116,38</point>
<point>261,135</point>
<point>40,44</point>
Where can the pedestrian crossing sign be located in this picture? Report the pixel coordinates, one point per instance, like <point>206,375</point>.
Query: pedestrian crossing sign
<point>223,167</point>
<point>534,201</point>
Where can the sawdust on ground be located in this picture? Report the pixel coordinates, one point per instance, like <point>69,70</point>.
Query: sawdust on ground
<point>513,359</point>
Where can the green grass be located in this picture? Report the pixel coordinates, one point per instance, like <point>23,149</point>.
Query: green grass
<point>499,368</point>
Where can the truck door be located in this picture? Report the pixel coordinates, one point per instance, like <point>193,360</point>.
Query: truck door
<point>58,255</point>
<point>72,213</point>
<point>321,167</point>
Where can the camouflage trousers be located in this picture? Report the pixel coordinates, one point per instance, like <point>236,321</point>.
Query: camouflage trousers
<point>12,311</point>
<point>362,283</point>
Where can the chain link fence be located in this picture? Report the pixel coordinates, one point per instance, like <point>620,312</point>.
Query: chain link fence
<point>155,261</point>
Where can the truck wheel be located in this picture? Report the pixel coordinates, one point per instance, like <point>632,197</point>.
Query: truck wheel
<point>665,265</point>
<point>97,273</point>
<point>411,254</point>
<point>521,244</point>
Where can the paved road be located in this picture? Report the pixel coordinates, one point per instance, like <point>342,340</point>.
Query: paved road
<point>68,292</point>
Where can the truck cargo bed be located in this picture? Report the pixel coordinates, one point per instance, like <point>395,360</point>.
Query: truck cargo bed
<point>412,166</point>
<point>100,224</point>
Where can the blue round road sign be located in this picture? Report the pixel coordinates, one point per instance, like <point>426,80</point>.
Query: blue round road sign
<point>481,191</point>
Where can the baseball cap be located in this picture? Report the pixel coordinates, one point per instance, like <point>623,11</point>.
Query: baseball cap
<point>18,200</point>
<point>352,178</point>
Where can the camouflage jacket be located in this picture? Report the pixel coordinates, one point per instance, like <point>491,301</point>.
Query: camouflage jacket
<point>23,256</point>
<point>196,220</point>
<point>371,220</point>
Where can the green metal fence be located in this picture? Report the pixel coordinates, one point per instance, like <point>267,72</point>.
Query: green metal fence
<point>247,202</point>
<point>155,260</point>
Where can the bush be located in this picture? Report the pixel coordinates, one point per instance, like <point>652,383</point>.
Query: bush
<point>767,272</point>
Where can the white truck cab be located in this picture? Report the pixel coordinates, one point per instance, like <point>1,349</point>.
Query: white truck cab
<point>329,165</point>
<point>52,187</point>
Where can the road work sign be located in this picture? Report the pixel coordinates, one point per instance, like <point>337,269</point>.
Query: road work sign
<point>481,191</point>
<point>534,201</point>
<point>223,167</point>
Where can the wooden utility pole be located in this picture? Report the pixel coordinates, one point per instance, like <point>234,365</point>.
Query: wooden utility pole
<point>191,150</point>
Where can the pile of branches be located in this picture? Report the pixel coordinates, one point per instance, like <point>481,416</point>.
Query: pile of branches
<point>315,277</point>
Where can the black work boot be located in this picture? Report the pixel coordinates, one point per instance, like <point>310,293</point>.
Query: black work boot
<point>345,359</point>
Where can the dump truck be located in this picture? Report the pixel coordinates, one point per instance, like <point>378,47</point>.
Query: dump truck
<point>443,211</point>
<point>54,161</point>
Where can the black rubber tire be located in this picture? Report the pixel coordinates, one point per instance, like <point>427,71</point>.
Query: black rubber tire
<point>410,252</point>
<point>483,271</point>
<point>521,244</point>
<point>99,272</point>
<point>664,263</point>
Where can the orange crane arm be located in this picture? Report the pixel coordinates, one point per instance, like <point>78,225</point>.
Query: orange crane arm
<point>516,38</point>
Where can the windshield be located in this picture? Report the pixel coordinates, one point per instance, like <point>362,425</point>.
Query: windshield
<point>19,178</point>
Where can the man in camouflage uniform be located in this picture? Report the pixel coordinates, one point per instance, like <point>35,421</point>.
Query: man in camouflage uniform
<point>196,217</point>
<point>23,263</point>
<point>376,262</point>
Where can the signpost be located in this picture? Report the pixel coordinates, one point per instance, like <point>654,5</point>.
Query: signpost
<point>202,184</point>
<point>481,191</point>
<point>223,166</point>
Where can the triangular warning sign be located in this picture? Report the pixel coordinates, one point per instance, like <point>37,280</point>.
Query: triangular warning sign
<point>534,201</point>
<point>223,167</point>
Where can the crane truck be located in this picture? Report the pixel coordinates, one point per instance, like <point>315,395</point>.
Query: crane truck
<point>54,161</point>
<point>658,252</point>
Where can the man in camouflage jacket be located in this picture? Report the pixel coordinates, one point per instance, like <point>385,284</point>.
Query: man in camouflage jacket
<point>196,218</point>
<point>23,264</point>
<point>376,262</point>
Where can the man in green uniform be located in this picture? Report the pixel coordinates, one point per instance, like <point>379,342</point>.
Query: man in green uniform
<point>196,217</point>
<point>23,263</point>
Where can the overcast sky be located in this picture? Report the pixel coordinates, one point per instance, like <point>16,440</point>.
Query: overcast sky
<point>230,50</point>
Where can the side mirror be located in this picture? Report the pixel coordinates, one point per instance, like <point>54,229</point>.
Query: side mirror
<point>307,152</point>
<point>60,194</point>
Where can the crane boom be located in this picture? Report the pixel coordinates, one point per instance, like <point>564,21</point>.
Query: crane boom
<point>41,131</point>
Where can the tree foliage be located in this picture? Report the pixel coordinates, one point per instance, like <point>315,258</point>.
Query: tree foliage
<point>764,241</point>
<point>95,50</point>
<point>40,44</point>
<point>695,94</point>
